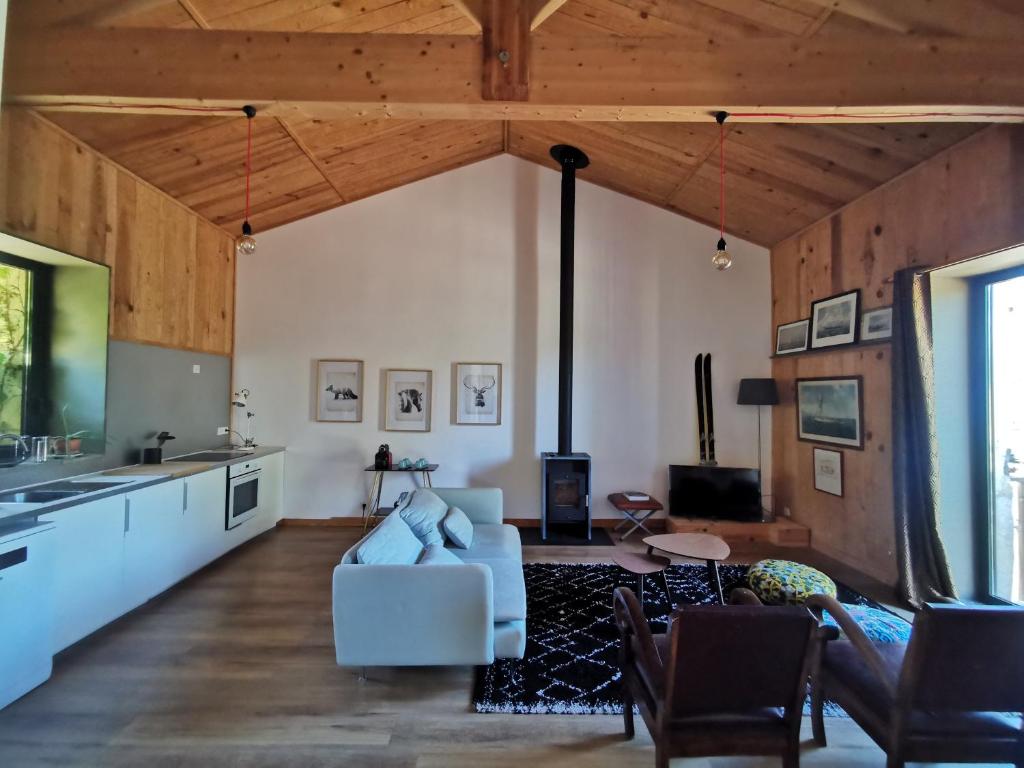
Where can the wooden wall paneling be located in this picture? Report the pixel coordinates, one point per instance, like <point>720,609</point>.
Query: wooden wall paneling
<point>958,205</point>
<point>58,192</point>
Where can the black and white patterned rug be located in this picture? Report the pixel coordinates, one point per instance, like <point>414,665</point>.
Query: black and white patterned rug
<point>571,662</point>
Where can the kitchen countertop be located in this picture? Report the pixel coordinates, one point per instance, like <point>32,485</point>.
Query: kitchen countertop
<point>139,476</point>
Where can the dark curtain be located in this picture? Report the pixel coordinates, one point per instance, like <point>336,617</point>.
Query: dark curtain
<point>923,569</point>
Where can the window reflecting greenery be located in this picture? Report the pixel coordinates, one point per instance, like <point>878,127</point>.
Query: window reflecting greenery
<point>15,302</point>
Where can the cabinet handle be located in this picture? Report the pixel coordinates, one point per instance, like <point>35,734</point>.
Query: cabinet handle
<point>127,514</point>
<point>184,501</point>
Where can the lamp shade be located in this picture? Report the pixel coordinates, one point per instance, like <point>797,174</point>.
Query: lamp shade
<point>758,392</point>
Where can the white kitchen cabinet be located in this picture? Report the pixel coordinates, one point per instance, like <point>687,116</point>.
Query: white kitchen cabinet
<point>154,544</point>
<point>26,610</point>
<point>204,533</point>
<point>271,490</point>
<point>87,571</point>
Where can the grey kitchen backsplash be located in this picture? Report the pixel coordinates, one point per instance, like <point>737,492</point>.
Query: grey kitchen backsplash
<point>149,389</point>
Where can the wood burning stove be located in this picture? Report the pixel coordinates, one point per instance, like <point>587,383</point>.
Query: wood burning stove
<point>565,490</point>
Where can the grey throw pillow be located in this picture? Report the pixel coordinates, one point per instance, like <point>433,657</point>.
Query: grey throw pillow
<point>458,528</point>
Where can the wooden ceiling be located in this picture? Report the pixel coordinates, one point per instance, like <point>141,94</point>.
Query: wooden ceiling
<point>781,177</point>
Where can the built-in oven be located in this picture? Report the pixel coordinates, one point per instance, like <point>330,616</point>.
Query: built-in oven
<point>243,493</point>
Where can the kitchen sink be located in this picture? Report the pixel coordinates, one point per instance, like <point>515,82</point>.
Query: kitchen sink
<point>36,497</point>
<point>212,456</point>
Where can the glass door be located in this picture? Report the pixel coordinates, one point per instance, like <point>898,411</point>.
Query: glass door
<point>1000,310</point>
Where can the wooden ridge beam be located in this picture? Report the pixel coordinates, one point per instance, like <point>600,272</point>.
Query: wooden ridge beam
<point>440,77</point>
<point>506,60</point>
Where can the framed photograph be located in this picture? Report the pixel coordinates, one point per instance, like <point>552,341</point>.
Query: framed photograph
<point>876,324</point>
<point>477,393</point>
<point>407,398</point>
<point>792,337</point>
<point>835,321</point>
<point>339,390</point>
<point>831,411</point>
<point>828,471</point>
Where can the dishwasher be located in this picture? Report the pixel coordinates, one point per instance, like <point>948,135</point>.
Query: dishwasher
<point>26,609</point>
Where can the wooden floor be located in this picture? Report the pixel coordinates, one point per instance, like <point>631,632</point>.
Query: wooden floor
<point>235,667</point>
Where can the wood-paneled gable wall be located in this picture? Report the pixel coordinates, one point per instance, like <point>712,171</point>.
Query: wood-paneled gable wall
<point>965,202</point>
<point>172,272</point>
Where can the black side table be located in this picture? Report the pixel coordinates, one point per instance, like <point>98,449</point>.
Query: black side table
<point>372,508</point>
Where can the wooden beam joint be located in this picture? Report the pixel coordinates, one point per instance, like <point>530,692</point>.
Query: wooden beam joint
<point>506,49</point>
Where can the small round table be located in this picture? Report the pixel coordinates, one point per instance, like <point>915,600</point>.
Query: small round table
<point>699,546</point>
<point>641,565</point>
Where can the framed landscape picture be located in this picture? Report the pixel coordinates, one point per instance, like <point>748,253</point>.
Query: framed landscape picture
<point>477,392</point>
<point>339,390</point>
<point>876,324</point>
<point>792,337</point>
<point>828,471</point>
<point>835,321</point>
<point>407,398</point>
<point>831,411</point>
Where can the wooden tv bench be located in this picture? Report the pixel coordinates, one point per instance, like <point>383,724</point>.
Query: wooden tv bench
<point>781,531</point>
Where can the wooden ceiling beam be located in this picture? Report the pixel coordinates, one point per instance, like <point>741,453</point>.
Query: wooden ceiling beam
<point>506,46</point>
<point>580,79</point>
<point>542,10</point>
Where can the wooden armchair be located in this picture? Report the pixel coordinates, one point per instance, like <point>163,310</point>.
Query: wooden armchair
<point>726,680</point>
<point>943,697</point>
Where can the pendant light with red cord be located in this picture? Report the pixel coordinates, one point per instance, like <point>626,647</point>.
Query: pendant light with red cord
<point>722,260</point>
<point>246,244</point>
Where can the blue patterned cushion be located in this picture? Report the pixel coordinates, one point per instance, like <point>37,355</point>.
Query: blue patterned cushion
<point>781,582</point>
<point>879,625</point>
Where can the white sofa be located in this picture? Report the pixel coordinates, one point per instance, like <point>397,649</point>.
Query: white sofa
<point>419,615</point>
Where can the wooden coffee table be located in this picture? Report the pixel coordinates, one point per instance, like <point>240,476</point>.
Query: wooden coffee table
<point>642,565</point>
<point>699,546</point>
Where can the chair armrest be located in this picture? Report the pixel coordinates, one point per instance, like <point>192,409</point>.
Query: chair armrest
<point>819,604</point>
<point>396,615</point>
<point>481,505</point>
<point>632,624</point>
<point>743,596</point>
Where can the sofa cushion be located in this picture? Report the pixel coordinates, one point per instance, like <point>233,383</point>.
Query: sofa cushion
<point>423,513</point>
<point>458,528</point>
<point>390,543</point>
<point>435,554</point>
<point>509,587</point>
<point>494,541</point>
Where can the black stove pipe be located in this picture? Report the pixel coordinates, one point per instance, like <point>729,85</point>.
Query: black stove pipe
<point>571,159</point>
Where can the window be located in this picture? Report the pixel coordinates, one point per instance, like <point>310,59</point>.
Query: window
<point>15,355</point>
<point>998,301</point>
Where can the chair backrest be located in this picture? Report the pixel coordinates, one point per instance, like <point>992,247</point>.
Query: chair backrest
<point>732,658</point>
<point>964,658</point>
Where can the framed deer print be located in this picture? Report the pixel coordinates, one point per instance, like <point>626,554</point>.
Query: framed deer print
<point>339,385</point>
<point>476,390</point>
<point>407,398</point>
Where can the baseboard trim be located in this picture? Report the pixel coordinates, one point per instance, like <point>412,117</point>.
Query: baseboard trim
<point>321,522</point>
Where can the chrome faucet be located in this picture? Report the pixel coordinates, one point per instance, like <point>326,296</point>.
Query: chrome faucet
<point>19,443</point>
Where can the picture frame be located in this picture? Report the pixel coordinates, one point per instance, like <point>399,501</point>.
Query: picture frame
<point>791,338</point>
<point>339,390</point>
<point>876,324</point>
<point>831,411</point>
<point>835,321</point>
<point>408,397</point>
<point>476,394</point>
<point>828,471</point>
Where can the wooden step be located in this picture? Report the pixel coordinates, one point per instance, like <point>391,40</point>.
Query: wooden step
<point>781,532</point>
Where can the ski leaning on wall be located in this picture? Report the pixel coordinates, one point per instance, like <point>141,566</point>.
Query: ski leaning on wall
<point>705,409</point>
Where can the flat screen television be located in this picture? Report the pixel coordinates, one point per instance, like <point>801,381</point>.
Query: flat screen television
<point>724,493</point>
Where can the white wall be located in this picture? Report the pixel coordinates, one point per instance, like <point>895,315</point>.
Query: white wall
<point>464,267</point>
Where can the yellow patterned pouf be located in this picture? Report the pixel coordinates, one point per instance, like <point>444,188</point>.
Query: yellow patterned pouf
<point>781,582</point>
